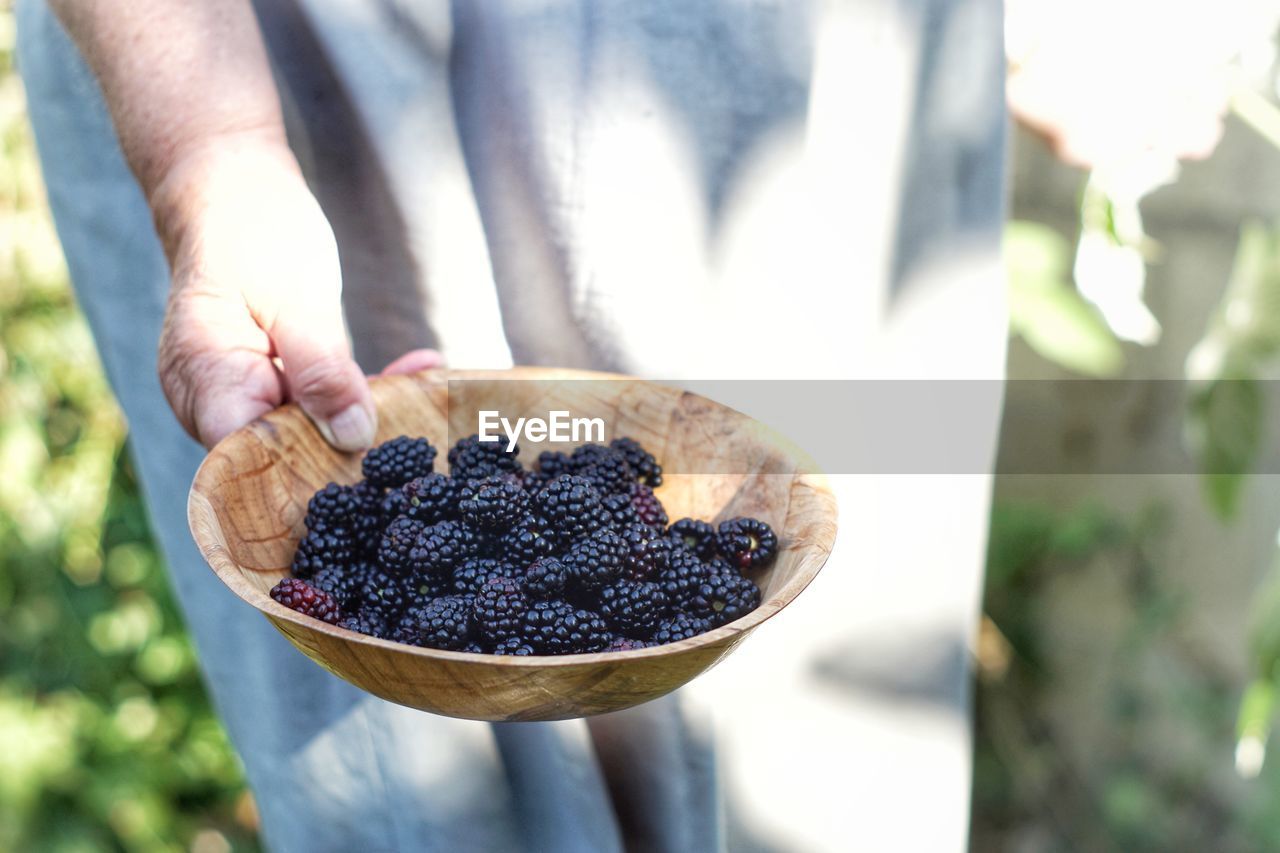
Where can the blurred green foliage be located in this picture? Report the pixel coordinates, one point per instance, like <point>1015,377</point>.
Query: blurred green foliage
<point>1047,311</point>
<point>1141,760</point>
<point>107,740</point>
<point>1226,417</point>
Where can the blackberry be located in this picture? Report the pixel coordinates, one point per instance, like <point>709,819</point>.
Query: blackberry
<point>618,511</point>
<point>633,608</point>
<point>428,499</point>
<point>368,620</point>
<point>388,591</point>
<point>423,586</point>
<point>396,462</point>
<point>499,609</point>
<point>647,506</point>
<point>403,626</point>
<point>545,579</point>
<point>724,597</point>
<point>333,505</point>
<point>624,644</point>
<point>697,536</point>
<point>441,547</point>
<point>346,511</point>
<point>493,504</point>
<point>342,582</point>
<point>398,540</point>
<point>473,459</point>
<point>445,623</point>
<point>513,646</point>
<point>646,468</point>
<point>747,542</point>
<point>683,577</point>
<point>528,539</point>
<point>558,628</point>
<point>476,572</point>
<point>681,626</point>
<point>595,561</point>
<point>320,550</point>
<point>551,464</point>
<point>648,553</point>
<point>393,505</point>
<point>570,505</point>
<point>605,469</point>
<point>301,596</point>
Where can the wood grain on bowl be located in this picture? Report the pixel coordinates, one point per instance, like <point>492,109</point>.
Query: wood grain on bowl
<point>249,499</point>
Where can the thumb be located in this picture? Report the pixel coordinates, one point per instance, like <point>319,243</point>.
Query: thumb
<point>323,378</point>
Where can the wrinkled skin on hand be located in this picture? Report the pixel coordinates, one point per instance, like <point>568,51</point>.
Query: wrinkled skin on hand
<point>254,315</point>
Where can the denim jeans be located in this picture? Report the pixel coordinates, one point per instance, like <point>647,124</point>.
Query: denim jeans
<point>540,183</point>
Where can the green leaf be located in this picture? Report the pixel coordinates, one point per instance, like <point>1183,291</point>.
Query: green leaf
<point>1047,312</point>
<point>1256,708</point>
<point>1225,423</point>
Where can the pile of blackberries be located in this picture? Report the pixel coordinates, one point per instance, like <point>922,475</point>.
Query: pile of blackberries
<point>575,555</point>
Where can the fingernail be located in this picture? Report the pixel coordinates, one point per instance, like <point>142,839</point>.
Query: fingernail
<point>350,429</point>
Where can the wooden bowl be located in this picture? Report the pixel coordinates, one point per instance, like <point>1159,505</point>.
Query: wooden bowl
<point>249,497</point>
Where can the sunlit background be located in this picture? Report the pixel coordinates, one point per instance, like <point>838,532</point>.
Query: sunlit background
<point>1125,668</point>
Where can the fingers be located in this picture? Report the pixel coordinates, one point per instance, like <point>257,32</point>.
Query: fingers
<point>255,314</point>
<point>414,361</point>
<point>323,378</point>
<point>214,364</point>
<point>217,371</point>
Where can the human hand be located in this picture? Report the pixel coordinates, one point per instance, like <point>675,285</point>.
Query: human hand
<point>254,315</point>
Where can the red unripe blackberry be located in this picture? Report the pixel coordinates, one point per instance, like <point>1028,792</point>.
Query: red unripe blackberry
<point>648,552</point>
<point>647,506</point>
<point>301,596</point>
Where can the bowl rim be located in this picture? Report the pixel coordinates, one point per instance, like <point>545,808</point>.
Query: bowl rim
<point>207,532</point>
